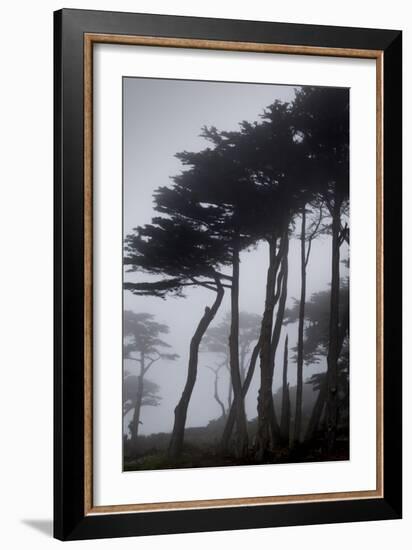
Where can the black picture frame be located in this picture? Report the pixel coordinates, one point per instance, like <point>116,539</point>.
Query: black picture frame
<point>70,520</point>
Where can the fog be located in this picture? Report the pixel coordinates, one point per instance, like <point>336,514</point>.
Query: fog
<point>162,117</point>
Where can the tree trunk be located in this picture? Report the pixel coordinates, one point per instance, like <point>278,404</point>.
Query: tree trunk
<point>230,422</point>
<point>283,286</point>
<point>281,295</point>
<point>285,416</point>
<point>243,353</point>
<point>299,378</point>
<point>264,440</point>
<point>230,390</point>
<point>241,438</point>
<point>317,410</point>
<point>176,440</point>
<point>216,394</point>
<point>333,352</point>
<point>139,398</point>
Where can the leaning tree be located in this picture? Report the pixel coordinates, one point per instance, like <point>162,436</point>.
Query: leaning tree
<point>143,345</point>
<point>177,254</point>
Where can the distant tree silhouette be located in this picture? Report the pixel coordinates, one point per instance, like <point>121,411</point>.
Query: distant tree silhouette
<point>216,341</point>
<point>142,344</point>
<point>216,371</point>
<point>150,395</point>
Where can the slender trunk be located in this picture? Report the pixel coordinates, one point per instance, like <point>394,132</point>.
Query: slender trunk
<point>264,440</point>
<point>283,287</point>
<point>332,404</point>
<point>216,394</point>
<point>176,440</point>
<point>242,363</point>
<point>230,421</point>
<point>281,296</point>
<point>139,398</point>
<point>299,378</point>
<point>230,390</point>
<point>241,439</point>
<point>285,415</point>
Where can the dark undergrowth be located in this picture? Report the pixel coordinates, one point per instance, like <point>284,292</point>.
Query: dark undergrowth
<point>208,456</point>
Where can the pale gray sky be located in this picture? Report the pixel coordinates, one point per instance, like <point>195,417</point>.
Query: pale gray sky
<point>162,117</point>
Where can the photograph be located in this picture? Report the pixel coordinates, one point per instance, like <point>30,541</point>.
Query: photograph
<point>236,275</point>
<point>227,273</point>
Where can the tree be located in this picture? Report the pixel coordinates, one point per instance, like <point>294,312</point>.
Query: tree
<point>285,412</point>
<point>277,167</point>
<point>262,167</point>
<point>216,192</point>
<point>184,255</point>
<point>305,247</point>
<point>322,120</point>
<point>316,344</point>
<point>249,187</point>
<point>142,344</point>
<point>252,202</point>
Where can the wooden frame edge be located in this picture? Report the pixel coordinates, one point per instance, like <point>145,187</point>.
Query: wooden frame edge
<point>88,276</point>
<point>89,40</point>
<point>206,44</point>
<point>379,274</point>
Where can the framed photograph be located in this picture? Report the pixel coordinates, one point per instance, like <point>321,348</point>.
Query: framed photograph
<point>227,274</point>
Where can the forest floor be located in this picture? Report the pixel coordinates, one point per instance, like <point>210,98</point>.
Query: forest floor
<point>203,457</point>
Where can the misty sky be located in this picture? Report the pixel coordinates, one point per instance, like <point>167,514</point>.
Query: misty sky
<point>162,117</point>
